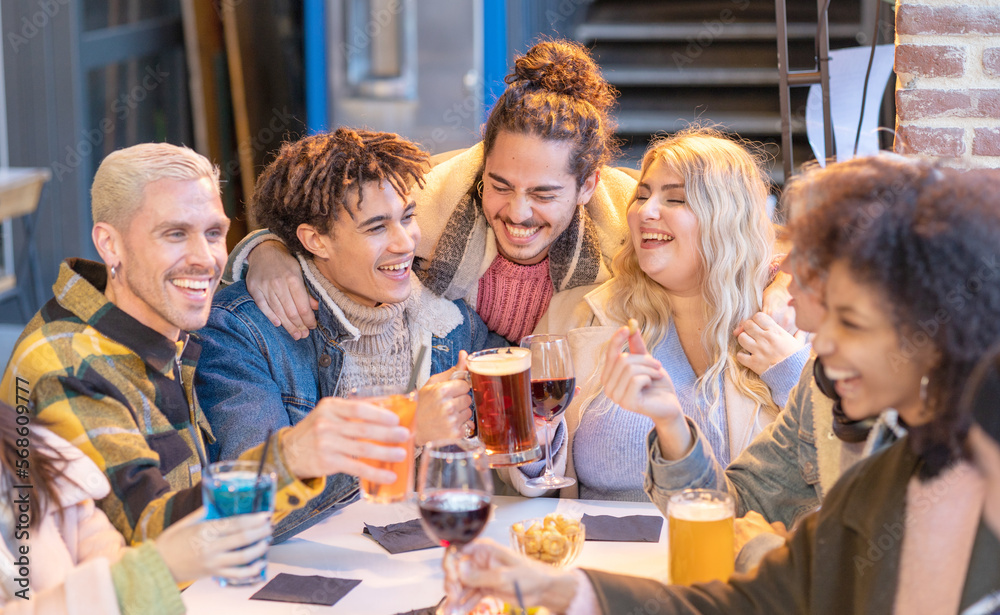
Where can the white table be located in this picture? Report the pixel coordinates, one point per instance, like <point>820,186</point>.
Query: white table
<point>398,583</point>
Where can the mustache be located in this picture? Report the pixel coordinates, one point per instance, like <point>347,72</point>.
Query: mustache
<point>530,222</point>
<point>214,273</point>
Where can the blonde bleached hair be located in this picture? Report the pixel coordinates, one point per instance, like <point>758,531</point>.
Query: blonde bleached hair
<point>726,188</point>
<point>117,191</point>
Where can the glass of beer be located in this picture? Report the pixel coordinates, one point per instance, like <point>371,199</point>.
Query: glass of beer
<point>700,524</point>
<point>403,405</point>
<point>501,385</point>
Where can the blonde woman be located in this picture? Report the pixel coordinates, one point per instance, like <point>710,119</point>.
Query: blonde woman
<point>693,270</point>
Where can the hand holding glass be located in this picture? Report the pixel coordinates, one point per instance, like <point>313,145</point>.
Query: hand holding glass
<point>501,385</point>
<point>232,488</point>
<point>454,491</point>
<point>403,405</point>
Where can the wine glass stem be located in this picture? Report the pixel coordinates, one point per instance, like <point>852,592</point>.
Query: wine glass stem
<point>548,449</point>
<point>453,604</point>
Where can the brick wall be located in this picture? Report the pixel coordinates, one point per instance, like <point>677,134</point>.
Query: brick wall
<point>948,79</point>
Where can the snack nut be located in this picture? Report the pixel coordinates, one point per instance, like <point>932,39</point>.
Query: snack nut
<point>555,540</point>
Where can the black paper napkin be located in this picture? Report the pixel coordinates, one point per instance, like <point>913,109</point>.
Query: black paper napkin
<point>326,591</point>
<point>401,537</point>
<point>636,528</point>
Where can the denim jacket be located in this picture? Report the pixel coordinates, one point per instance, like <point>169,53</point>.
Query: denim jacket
<point>253,377</point>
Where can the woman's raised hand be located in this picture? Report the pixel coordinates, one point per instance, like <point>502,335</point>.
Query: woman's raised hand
<point>765,343</point>
<point>637,382</point>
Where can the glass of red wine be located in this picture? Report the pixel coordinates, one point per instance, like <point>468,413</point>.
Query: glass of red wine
<point>454,487</point>
<point>552,386</point>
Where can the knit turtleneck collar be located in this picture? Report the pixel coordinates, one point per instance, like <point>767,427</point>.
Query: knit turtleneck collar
<point>377,325</point>
<point>507,268</point>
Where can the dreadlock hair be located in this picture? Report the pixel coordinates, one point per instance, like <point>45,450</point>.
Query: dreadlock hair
<point>925,238</point>
<point>556,92</point>
<point>310,180</point>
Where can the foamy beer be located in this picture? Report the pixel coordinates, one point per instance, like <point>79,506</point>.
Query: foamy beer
<point>501,384</point>
<point>701,536</point>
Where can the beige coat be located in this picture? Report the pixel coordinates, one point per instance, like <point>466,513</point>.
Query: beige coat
<point>581,315</point>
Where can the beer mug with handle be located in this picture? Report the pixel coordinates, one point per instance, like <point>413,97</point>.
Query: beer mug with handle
<point>501,385</point>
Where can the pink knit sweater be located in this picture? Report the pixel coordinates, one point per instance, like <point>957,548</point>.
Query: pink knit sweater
<point>939,530</point>
<point>512,297</point>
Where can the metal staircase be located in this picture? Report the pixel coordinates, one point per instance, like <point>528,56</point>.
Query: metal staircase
<point>713,62</point>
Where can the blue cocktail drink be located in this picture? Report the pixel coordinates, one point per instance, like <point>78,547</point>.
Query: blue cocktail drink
<point>233,488</point>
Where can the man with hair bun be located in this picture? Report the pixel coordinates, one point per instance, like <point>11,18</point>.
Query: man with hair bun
<point>109,366</point>
<point>341,203</point>
<point>531,210</point>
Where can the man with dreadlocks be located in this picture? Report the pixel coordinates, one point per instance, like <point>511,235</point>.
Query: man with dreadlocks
<point>342,205</point>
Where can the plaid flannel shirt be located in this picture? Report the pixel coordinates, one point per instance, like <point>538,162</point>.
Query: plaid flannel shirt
<point>109,385</point>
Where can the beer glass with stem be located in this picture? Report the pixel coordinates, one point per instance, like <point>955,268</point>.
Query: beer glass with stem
<point>454,488</point>
<point>552,386</point>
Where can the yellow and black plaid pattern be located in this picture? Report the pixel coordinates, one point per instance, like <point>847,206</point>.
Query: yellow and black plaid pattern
<point>107,384</point>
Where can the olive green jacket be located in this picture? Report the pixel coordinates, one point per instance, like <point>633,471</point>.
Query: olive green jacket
<point>843,559</point>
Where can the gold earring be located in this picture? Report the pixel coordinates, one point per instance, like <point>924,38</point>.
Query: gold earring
<point>479,188</point>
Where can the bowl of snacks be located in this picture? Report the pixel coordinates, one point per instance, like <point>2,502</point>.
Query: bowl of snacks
<point>555,539</point>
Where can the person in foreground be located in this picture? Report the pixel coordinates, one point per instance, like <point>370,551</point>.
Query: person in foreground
<point>109,366</point>
<point>903,531</point>
<point>341,202</point>
<point>695,267</point>
<point>75,557</point>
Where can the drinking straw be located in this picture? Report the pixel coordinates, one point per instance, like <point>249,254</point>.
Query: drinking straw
<point>414,371</point>
<point>197,447</point>
<point>260,470</point>
<point>520,598</point>
<point>204,461</point>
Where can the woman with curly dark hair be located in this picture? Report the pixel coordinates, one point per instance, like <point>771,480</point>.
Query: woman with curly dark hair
<point>912,293</point>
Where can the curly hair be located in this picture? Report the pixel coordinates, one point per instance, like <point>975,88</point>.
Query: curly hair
<point>980,398</point>
<point>726,188</point>
<point>556,92</point>
<point>310,179</point>
<point>926,239</point>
